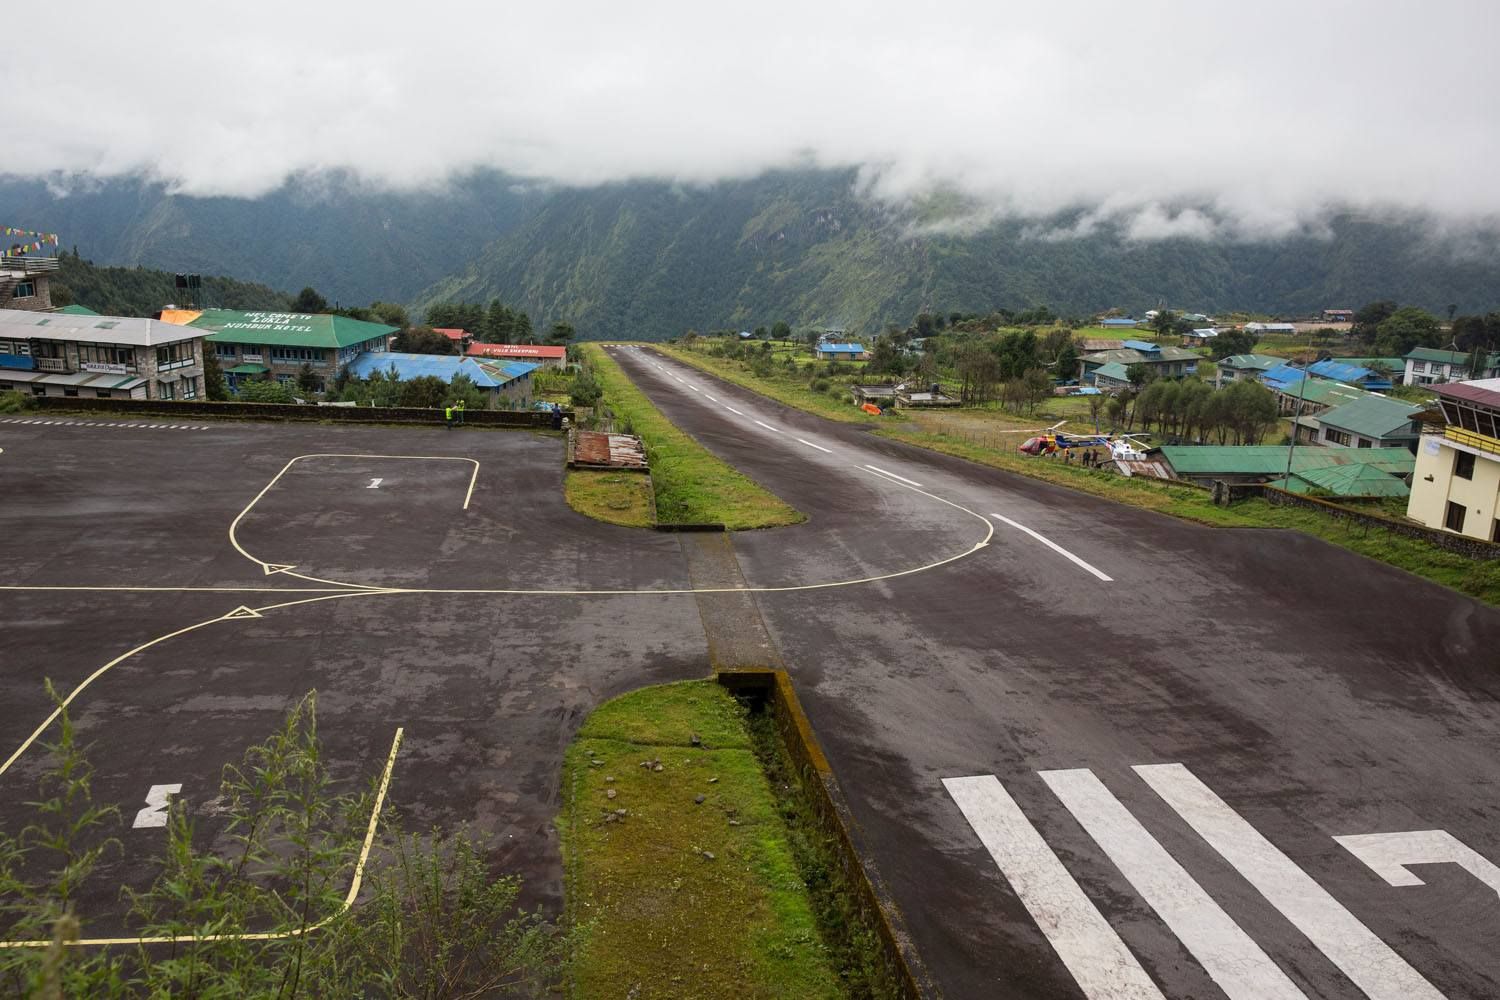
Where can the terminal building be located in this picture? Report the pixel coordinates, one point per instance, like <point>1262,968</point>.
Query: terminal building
<point>258,345</point>
<point>99,357</point>
<point>1456,486</point>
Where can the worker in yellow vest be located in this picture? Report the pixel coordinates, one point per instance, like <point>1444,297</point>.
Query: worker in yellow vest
<point>448,416</point>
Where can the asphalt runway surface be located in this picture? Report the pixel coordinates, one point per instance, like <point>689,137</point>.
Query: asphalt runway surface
<point>1006,699</point>
<point>1003,673</point>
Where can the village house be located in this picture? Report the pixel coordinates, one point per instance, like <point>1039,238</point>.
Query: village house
<point>1164,362</point>
<point>1371,422</point>
<point>1426,365</point>
<point>99,357</point>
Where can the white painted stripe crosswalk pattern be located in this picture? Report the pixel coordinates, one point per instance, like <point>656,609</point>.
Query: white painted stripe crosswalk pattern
<point>1242,970</point>
<point>1092,950</point>
<point>103,423</point>
<point>1077,931</point>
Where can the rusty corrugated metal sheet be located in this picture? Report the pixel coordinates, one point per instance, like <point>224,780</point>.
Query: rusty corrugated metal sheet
<point>608,451</point>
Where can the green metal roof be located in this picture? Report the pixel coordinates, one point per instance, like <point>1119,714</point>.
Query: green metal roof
<point>1321,391</point>
<point>1129,356</point>
<point>1394,364</point>
<point>288,329</point>
<point>1447,357</point>
<point>1259,362</point>
<point>1270,459</point>
<point>1373,417</point>
<point>77,310</point>
<point>1113,370</point>
<point>1349,481</point>
<point>247,369</point>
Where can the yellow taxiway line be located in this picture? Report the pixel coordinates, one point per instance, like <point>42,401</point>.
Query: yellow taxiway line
<point>349,897</point>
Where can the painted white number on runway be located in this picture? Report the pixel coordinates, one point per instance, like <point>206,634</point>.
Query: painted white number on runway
<point>155,813</point>
<point>1094,953</point>
<point>1388,854</point>
<point>374,484</point>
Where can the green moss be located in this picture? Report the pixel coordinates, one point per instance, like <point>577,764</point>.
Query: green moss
<point>678,898</point>
<point>692,486</point>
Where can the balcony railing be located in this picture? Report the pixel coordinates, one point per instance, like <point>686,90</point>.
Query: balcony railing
<point>53,365</point>
<point>27,265</point>
<point>1479,442</point>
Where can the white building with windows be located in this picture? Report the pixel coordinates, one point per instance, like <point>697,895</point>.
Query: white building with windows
<point>1426,365</point>
<point>99,357</point>
<point>1456,485</point>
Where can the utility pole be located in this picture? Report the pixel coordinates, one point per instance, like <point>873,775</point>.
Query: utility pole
<point>1286,482</point>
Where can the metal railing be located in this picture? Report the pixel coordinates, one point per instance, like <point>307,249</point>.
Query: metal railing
<point>53,365</point>
<point>1472,439</point>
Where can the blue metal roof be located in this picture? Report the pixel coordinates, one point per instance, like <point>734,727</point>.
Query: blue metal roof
<point>1283,375</point>
<point>842,348</point>
<point>1142,345</point>
<point>486,373</point>
<point>1118,322</point>
<point>1339,371</point>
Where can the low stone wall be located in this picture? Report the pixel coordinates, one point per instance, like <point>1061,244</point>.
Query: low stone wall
<point>285,411</point>
<point>1472,548</point>
<point>772,689</point>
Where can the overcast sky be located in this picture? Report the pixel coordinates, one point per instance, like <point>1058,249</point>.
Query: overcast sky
<point>1264,111</point>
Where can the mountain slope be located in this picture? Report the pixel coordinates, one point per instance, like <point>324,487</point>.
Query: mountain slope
<point>352,243</point>
<point>649,260</point>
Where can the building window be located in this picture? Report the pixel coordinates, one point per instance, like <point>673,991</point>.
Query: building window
<point>101,393</point>
<point>1336,436</point>
<point>70,392</point>
<point>178,355</point>
<point>25,290</point>
<point>1366,443</point>
<point>1463,465</point>
<point>227,351</point>
<point>165,390</point>
<point>1454,519</point>
<point>107,354</point>
<point>189,387</point>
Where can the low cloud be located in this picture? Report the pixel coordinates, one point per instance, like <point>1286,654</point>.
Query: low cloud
<point>1165,118</point>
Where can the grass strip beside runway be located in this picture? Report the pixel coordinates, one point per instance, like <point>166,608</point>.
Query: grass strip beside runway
<point>682,883</point>
<point>622,498</point>
<point>692,486</point>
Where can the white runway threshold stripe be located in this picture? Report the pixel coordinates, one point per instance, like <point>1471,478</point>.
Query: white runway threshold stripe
<point>1054,547</point>
<point>899,479</point>
<point>1372,965</point>
<point>817,446</point>
<point>1242,970</point>
<point>1103,967</point>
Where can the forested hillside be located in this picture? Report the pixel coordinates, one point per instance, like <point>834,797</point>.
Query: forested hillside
<point>351,242</point>
<point>651,259</point>
<point>141,291</point>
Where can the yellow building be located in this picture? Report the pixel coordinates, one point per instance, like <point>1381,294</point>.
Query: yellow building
<point>1456,485</point>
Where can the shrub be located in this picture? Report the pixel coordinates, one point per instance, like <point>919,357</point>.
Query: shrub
<point>12,401</point>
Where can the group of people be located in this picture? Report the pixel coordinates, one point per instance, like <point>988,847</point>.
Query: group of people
<point>1087,457</point>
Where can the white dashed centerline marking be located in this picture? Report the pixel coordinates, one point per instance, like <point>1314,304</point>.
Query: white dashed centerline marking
<point>1053,546</point>
<point>734,411</point>
<point>711,399</point>
<point>900,479</point>
<point>817,446</point>
<point>765,425</point>
<point>694,388</point>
